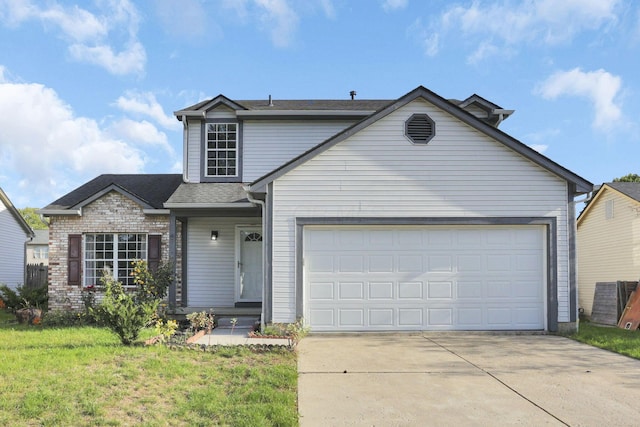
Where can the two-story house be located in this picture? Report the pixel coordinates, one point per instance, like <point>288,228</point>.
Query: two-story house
<point>410,214</point>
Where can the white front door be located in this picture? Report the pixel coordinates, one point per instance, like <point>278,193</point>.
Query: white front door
<point>249,264</point>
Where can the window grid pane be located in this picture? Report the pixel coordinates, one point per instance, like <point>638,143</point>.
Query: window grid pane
<point>100,253</point>
<point>221,149</point>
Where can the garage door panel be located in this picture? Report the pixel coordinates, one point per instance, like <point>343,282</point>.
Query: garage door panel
<point>440,290</point>
<point>410,290</point>
<point>381,290</point>
<point>376,278</point>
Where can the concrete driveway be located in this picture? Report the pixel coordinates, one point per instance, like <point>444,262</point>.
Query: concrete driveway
<point>463,379</point>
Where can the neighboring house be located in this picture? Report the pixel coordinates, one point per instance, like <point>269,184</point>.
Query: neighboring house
<point>108,222</point>
<point>38,248</point>
<point>608,239</point>
<point>358,215</point>
<point>14,234</point>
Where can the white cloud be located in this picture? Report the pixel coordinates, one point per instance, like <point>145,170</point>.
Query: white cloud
<point>599,87</point>
<point>92,37</point>
<point>48,150</point>
<point>507,24</point>
<point>429,39</point>
<point>278,19</point>
<point>128,61</point>
<point>390,5</point>
<point>146,104</point>
<point>142,133</point>
<point>186,19</point>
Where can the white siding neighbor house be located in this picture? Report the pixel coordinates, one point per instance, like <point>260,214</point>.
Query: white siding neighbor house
<point>414,213</point>
<point>14,234</point>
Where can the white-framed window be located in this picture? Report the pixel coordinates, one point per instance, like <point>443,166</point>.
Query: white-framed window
<point>41,252</point>
<point>221,150</point>
<point>114,251</point>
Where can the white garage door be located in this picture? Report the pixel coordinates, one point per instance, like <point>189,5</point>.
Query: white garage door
<point>364,278</point>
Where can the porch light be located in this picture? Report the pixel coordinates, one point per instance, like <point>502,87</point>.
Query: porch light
<point>214,235</point>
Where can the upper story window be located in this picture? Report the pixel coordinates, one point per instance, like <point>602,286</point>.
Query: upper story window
<point>221,150</point>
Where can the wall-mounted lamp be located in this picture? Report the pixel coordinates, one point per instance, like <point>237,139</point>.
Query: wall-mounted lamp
<point>214,235</point>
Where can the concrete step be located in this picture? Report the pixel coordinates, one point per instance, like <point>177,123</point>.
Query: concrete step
<point>243,322</point>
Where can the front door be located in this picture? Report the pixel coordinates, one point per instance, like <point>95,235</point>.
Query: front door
<point>249,265</point>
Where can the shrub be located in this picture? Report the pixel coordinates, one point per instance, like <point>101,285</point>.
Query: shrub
<point>201,320</point>
<point>63,318</point>
<point>122,312</point>
<point>25,297</point>
<point>151,285</point>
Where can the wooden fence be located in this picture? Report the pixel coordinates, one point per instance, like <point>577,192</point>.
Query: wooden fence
<point>37,275</point>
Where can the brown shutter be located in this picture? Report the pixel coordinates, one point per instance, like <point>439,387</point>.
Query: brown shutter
<point>75,260</point>
<point>153,258</point>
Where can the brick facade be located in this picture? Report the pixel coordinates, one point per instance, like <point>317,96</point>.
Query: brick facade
<point>111,213</point>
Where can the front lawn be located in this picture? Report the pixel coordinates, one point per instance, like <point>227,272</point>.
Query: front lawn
<point>83,376</point>
<point>610,338</point>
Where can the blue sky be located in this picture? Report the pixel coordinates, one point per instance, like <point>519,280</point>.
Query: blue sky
<point>90,87</point>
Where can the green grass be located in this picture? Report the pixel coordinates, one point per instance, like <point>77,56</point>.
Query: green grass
<point>610,338</point>
<point>82,376</point>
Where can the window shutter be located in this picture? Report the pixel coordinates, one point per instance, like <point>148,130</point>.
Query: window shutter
<point>153,255</point>
<point>74,260</point>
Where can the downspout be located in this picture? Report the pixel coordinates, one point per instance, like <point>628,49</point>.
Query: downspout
<point>264,251</point>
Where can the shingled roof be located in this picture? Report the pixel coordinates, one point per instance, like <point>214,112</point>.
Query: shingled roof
<point>631,189</point>
<point>151,189</point>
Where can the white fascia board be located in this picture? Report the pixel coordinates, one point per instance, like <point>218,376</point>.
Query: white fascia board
<point>208,205</point>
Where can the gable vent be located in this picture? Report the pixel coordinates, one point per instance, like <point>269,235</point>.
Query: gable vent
<point>420,128</point>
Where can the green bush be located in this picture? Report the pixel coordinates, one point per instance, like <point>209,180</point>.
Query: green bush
<point>64,318</point>
<point>24,297</point>
<point>122,312</point>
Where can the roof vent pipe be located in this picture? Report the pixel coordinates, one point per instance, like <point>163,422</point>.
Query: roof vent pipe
<point>352,94</point>
<point>270,101</point>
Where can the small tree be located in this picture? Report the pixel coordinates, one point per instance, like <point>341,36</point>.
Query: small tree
<point>127,313</point>
<point>631,177</point>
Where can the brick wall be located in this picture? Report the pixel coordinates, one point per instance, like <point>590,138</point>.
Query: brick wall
<point>111,213</point>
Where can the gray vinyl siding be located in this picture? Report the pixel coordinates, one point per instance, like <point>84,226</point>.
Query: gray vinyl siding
<point>194,142</point>
<point>266,144</point>
<point>211,265</point>
<point>379,173</point>
<point>270,144</point>
<point>12,249</point>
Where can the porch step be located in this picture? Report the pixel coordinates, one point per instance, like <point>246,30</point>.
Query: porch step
<point>242,322</point>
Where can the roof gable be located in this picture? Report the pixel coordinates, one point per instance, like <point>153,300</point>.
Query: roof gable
<point>627,190</point>
<point>578,185</point>
<point>148,190</point>
<point>200,109</point>
<point>4,199</point>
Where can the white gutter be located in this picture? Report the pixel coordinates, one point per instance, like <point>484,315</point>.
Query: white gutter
<point>156,211</point>
<point>208,205</point>
<point>264,251</point>
<point>68,212</point>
